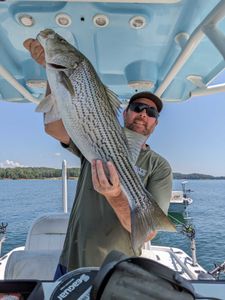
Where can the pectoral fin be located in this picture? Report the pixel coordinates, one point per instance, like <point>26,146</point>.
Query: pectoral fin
<point>46,104</point>
<point>66,82</point>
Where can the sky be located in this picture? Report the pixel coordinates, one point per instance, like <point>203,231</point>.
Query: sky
<point>190,135</point>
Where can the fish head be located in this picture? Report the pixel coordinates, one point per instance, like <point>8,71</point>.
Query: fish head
<point>59,54</point>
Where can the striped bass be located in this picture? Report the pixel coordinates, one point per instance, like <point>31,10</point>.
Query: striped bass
<point>89,113</point>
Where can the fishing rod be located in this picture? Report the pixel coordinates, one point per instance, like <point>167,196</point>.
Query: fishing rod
<point>189,231</point>
<point>3,227</point>
<point>217,270</point>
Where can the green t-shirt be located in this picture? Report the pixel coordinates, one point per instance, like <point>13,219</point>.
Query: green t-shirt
<point>94,229</point>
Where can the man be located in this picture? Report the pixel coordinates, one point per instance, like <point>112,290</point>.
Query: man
<point>100,217</point>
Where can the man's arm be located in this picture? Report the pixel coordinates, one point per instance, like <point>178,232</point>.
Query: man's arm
<point>56,128</point>
<point>113,193</point>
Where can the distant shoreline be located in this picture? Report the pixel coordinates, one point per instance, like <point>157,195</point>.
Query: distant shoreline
<point>196,176</point>
<point>37,173</point>
<point>46,178</point>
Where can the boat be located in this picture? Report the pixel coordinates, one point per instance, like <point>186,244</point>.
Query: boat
<point>173,48</point>
<point>180,200</point>
<point>36,261</point>
<point>178,203</point>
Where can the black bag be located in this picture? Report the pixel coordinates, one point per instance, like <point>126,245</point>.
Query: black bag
<point>129,278</point>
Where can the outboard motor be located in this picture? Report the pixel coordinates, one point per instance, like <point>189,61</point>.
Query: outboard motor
<point>75,285</point>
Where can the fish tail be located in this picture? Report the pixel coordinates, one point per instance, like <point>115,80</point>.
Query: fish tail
<point>144,221</point>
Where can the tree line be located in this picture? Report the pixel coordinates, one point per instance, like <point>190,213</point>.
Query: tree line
<point>43,173</point>
<point>195,176</point>
<point>36,173</point>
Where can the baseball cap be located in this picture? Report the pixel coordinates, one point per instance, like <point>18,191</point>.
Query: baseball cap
<point>150,96</point>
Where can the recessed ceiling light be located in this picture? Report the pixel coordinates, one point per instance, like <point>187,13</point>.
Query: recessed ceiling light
<point>26,20</point>
<point>137,22</point>
<point>63,20</point>
<point>197,80</point>
<point>181,38</point>
<point>101,20</point>
<point>141,84</point>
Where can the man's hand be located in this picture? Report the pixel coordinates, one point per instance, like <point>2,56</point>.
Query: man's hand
<point>36,50</point>
<point>111,190</point>
<point>100,181</point>
<point>52,119</point>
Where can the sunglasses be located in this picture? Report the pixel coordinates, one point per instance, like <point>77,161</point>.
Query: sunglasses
<point>139,107</point>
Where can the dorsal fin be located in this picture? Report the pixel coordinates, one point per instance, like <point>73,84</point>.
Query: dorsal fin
<point>114,101</point>
<point>135,142</point>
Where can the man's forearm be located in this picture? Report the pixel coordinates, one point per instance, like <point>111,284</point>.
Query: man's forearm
<point>121,208</point>
<point>113,193</point>
<point>57,130</point>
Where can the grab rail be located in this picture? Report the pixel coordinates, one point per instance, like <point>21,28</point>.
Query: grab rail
<point>12,80</point>
<point>213,18</point>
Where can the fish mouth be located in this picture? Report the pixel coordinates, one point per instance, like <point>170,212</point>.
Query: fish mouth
<point>46,32</point>
<point>44,35</point>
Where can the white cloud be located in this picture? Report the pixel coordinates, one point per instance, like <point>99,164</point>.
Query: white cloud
<point>10,164</point>
<point>57,154</point>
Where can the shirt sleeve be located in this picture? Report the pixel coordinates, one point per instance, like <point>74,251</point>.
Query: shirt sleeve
<point>159,184</point>
<point>72,148</point>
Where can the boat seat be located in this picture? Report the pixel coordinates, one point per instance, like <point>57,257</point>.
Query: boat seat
<point>39,265</point>
<point>47,232</point>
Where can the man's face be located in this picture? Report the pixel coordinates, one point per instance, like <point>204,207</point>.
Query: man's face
<point>140,122</point>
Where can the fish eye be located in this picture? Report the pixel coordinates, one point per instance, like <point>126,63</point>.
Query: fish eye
<point>62,41</point>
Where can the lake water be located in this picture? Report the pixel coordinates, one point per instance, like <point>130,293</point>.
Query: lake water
<point>21,201</point>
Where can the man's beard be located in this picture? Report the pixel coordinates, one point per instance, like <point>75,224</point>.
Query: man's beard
<point>133,126</point>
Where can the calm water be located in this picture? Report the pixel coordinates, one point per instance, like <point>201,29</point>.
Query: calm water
<point>21,201</point>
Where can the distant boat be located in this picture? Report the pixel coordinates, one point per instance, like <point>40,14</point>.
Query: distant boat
<point>180,199</point>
